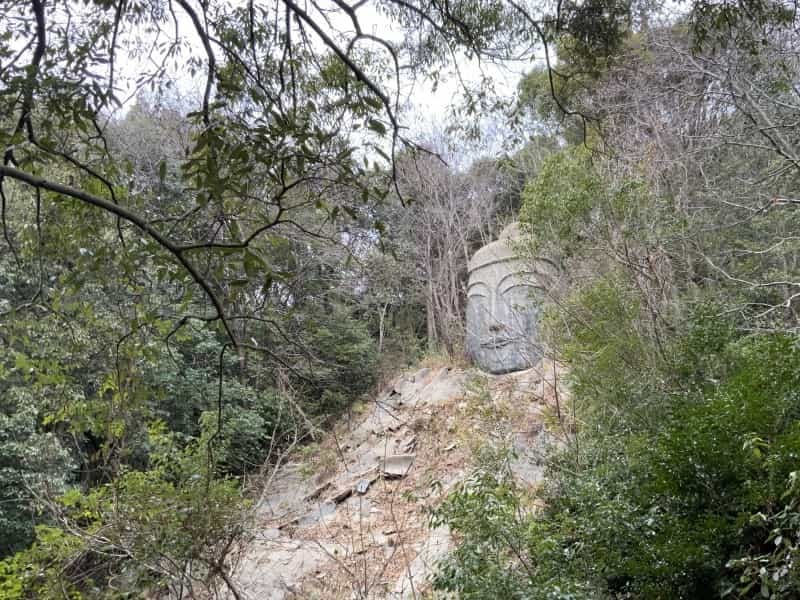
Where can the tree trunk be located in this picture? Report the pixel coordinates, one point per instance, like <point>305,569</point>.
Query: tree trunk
<point>381,322</point>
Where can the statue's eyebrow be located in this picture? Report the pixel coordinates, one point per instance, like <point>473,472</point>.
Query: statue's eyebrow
<point>471,290</point>
<point>532,283</point>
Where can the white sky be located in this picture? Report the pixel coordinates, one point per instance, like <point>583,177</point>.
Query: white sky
<point>425,108</point>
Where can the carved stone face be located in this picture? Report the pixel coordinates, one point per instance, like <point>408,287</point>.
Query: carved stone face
<point>503,300</point>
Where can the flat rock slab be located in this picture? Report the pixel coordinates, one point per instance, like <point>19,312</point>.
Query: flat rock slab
<point>278,568</point>
<point>429,552</point>
<point>285,498</point>
<point>397,465</point>
<point>362,486</point>
<point>444,387</point>
<point>341,495</point>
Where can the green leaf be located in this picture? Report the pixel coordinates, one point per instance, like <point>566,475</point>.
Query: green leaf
<point>253,264</point>
<point>377,126</point>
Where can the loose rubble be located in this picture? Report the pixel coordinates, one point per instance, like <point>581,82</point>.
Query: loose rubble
<point>361,530</point>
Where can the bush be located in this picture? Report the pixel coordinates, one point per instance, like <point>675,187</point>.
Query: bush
<point>485,510</point>
<point>702,502</point>
<point>31,462</point>
<point>612,360</point>
<point>146,530</point>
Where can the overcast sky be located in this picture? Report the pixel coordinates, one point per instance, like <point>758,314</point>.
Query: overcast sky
<point>423,106</point>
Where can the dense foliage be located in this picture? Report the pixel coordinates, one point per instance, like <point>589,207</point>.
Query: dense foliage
<point>128,434</point>
<point>671,210</point>
<point>687,491</point>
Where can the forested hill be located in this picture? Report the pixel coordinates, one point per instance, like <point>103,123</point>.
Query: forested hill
<point>226,228</point>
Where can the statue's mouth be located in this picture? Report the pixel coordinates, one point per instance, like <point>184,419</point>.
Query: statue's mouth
<point>498,342</point>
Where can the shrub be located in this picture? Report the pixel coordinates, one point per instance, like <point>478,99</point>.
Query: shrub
<point>31,462</point>
<point>345,363</point>
<point>693,504</point>
<point>145,530</point>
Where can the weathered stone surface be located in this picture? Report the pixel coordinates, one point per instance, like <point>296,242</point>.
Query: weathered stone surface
<point>429,551</point>
<point>341,495</point>
<point>503,304</point>
<point>275,568</point>
<point>397,465</point>
<point>362,486</point>
<point>313,533</point>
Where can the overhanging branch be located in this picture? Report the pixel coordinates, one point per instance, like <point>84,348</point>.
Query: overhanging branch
<point>123,213</point>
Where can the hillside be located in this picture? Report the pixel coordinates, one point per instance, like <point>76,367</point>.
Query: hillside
<point>349,517</point>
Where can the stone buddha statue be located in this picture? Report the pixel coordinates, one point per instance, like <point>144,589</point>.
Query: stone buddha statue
<point>504,297</point>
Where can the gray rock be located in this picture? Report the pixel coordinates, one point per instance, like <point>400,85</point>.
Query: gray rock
<point>421,375</point>
<point>317,492</point>
<point>362,486</point>
<point>341,495</point>
<point>408,444</point>
<point>273,533</point>
<point>273,574</point>
<point>416,577</point>
<point>315,516</point>
<point>504,298</point>
<point>397,465</point>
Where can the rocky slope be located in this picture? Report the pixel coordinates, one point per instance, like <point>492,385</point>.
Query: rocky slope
<point>349,517</point>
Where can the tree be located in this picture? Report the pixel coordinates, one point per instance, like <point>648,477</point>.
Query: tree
<point>673,214</point>
<point>454,214</point>
<point>32,463</point>
<point>292,102</point>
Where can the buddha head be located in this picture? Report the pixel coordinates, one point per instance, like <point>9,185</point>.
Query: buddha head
<point>503,304</point>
